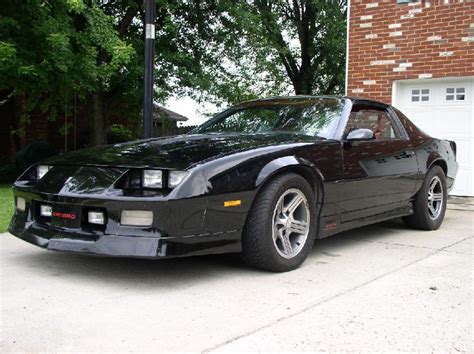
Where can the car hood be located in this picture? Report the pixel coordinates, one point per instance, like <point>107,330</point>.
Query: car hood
<point>179,152</point>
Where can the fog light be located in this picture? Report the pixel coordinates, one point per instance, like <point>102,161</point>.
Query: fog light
<point>20,204</point>
<point>96,217</point>
<point>136,218</point>
<point>46,210</point>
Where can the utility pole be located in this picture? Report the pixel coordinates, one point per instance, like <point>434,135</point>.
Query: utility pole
<point>149,66</point>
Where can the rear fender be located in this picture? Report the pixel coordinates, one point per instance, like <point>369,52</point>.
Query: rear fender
<point>436,159</point>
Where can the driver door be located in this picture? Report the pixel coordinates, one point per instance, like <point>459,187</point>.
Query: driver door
<point>380,171</point>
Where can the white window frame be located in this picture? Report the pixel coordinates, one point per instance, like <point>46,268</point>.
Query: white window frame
<point>455,93</point>
<point>420,95</point>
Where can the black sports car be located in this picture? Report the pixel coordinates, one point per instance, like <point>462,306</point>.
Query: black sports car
<point>264,178</point>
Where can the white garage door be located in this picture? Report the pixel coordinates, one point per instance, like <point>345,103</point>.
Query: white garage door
<point>444,109</point>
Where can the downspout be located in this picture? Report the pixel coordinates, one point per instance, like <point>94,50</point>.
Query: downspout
<point>348,19</point>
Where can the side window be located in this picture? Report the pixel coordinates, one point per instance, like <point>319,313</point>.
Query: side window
<point>377,120</point>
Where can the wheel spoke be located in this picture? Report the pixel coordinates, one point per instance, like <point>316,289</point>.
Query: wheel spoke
<point>432,209</point>
<point>433,184</point>
<point>299,227</point>
<point>285,240</point>
<point>277,231</point>
<point>294,204</point>
<point>279,209</point>
<point>437,197</point>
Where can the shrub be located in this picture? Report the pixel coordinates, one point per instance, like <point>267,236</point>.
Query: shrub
<point>118,133</point>
<point>8,172</point>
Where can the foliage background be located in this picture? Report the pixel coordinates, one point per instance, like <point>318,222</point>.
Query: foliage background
<point>68,60</point>
<point>88,54</point>
<point>6,206</point>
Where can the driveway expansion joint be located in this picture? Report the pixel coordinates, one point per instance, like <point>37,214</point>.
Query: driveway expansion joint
<point>337,295</point>
<point>442,249</point>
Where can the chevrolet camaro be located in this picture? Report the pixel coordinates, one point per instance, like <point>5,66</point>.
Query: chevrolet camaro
<point>264,178</point>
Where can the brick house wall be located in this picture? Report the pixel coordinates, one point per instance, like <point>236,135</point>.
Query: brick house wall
<point>423,39</point>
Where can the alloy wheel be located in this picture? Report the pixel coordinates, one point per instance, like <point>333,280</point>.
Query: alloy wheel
<point>435,198</point>
<point>291,220</point>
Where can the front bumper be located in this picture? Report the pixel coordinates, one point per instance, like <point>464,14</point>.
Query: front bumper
<point>184,227</point>
<point>132,246</point>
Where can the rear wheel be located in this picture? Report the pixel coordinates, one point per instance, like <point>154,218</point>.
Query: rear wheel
<point>430,202</point>
<point>279,232</point>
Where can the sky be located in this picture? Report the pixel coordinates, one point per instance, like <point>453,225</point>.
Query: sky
<point>191,109</point>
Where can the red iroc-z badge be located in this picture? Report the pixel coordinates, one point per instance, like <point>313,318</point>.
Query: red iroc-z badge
<point>69,216</point>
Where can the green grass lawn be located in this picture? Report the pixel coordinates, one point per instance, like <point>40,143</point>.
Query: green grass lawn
<point>6,206</point>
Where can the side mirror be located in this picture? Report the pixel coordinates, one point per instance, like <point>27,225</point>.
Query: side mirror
<point>360,134</point>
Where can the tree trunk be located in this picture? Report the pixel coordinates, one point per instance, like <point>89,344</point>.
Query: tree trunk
<point>18,123</point>
<point>97,100</point>
<point>7,109</point>
<point>97,120</point>
<point>303,83</point>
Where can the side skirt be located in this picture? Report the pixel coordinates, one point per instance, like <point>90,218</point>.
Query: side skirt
<point>331,225</point>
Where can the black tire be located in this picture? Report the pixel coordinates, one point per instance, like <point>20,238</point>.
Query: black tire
<point>258,246</point>
<point>422,217</point>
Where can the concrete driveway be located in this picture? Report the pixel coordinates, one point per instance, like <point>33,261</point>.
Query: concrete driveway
<point>381,287</point>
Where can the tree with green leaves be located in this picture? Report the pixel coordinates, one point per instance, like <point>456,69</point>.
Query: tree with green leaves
<point>301,42</point>
<point>51,50</point>
<point>256,48</point>
<point>316,63</point>
<point>219,50</point>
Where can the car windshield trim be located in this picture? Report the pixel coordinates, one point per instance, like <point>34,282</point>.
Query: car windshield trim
<point>265,133</point>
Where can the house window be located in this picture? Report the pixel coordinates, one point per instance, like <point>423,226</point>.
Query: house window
<point>420,95</point>
<point>455,94</point>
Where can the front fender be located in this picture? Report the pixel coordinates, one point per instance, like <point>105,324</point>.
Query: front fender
<point>233,173</point>
<point>299,165</point>
<point>286,163</point>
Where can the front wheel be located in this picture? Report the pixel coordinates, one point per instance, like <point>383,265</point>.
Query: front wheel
<point>430,202</point>
<point>279,232</point>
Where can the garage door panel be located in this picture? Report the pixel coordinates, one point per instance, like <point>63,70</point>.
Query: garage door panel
<point>423,120</point>
<point>463,183</point>
<point>446,112</point>
<point>412,92</point>
<point>455,94</point>
<point>464,152</point>
<point>454,123</point>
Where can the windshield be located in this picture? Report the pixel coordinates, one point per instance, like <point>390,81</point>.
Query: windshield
<point>314,117</point>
